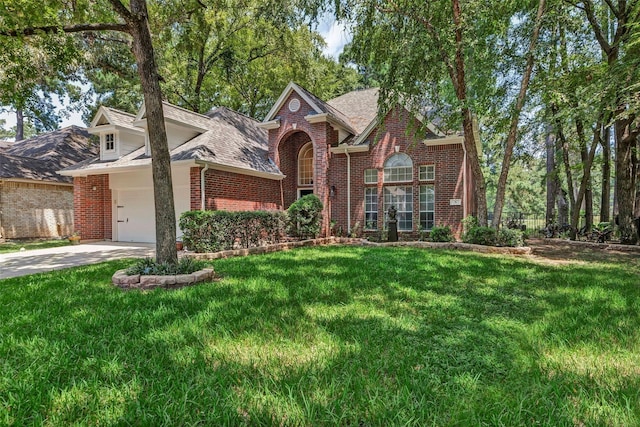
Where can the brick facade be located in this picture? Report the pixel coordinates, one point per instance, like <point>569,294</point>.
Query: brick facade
<point>292,131</point>
<point>35,210</point>
<point>92,207</point>
<point>284,146</point>
<point>330,172</point>
<point>234,192</point>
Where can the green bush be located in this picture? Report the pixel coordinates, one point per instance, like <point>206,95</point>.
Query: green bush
<point>149,266</point>
<point>481,236</point>
<point>441,234</point>
<point>510,237</point>
<point>212,231</point>
<point>305,215</point>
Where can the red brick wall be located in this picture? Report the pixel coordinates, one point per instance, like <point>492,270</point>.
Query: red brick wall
<point>285,143</point>
<point>448,160</point>
<point>92,208</point>
<point>235,192</point>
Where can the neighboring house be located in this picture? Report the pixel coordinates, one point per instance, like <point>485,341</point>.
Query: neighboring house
<point>338,150</point>
<point>35,201</point>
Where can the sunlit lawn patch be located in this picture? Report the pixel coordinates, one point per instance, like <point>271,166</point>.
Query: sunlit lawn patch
<point>326,336</point>
<point>17,245</point>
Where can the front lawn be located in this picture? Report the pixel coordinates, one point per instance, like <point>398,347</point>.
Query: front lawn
<point>354,336</point>
<point>17,245</point>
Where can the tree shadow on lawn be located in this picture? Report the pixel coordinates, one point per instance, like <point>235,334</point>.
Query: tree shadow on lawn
<point>307,337</point>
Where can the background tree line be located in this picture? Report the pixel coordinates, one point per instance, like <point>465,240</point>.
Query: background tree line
<point>525,80</point>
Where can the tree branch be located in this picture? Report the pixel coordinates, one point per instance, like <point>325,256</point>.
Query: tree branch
<point>121,10</point>
<point>597,30</point>
<point>53,29</point>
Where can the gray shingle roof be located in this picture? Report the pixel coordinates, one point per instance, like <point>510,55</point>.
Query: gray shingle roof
<point>326,107</point>
<point>179,114</point>
<point>40,157</point>
<point>230,139</point>
<point>122,118</point>
<point>360,106</point>
<point>233,139</point>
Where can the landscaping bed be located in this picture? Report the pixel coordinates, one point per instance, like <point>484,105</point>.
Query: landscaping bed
<point>145,282</point>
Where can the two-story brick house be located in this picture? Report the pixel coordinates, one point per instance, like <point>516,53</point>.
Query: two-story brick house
<point>339,150</point>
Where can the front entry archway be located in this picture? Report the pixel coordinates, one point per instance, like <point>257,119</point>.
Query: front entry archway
<point>296,155</point>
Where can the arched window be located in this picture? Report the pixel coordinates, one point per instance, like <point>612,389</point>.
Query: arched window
<point>305,165</point>
<point>398,168</point>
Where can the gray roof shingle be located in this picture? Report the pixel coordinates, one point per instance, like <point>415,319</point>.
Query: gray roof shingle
<point>360,106</point>
<point>230,139</point>
<point>39,158</point>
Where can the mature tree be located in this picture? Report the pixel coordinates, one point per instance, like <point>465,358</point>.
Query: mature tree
<point>32,71</point>
<point>622,57</point>
<point>133,20</point>
<point>515,118</point>
<point>237,54</point>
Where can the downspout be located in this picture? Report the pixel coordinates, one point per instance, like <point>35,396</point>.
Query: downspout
<point>202,187</point>
<point>348,189</point>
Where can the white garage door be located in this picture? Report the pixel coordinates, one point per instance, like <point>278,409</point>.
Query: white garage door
<point>136,219</point>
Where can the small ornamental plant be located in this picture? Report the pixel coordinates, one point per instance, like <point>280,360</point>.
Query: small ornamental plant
<point>441,234</point>
<point>149,267</point>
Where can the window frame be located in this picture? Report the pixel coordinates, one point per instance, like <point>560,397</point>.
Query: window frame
<point>424,204</point>
<point>302,155</point>
<point>113,141</point>
<point>368,173</point>
<point>428,170</point>
<point>404,215</point>
<point>371,193</point>
<point>401,173</point>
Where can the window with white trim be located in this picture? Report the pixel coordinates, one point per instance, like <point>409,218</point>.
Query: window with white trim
<point>305,165</point>
<point>398,168</point>
<point>371,176</point>
<point>427,173</point>
<point>427,206</point>
<point>109,141</point>
<point>371,208</point>
<point>402,199</point>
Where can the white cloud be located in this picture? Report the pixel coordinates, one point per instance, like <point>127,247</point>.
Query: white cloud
<point>335,34</point>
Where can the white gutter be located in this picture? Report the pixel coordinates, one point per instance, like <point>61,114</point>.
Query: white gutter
<point>202,187</point>
<point>346,151</point>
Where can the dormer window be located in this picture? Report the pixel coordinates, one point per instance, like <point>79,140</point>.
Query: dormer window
<point>109,142</point>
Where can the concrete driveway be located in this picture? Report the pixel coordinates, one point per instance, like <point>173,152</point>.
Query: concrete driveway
<point>37,261</point>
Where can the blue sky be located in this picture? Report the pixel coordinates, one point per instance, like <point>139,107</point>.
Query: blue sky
<point>334,33</point>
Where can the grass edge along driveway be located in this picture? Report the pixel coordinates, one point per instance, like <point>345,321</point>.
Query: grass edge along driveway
<point>326,336</point>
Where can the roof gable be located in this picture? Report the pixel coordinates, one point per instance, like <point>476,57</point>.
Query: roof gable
<point>292,87</point>
<point>111,116</point>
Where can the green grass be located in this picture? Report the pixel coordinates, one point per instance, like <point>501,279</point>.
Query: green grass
<point>16,245</point>
<point>328,336</point>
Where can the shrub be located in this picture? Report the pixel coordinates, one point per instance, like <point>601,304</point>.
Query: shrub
<point>149,266</point>
<point>510,237</point>
<point>211,231</point>
<point>441,234</point>
<point>481,236</point>
<point>305,215</point>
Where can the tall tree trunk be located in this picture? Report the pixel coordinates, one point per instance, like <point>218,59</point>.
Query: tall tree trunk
<point>515,119</point>
<point>161,163</point>
<point>575,213</point>
<point>626,183</point>
<point>471,148</point>
<point>605,204</point>
<point>19,125</point>
<point>551,177</point>
<point>588,194</point>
